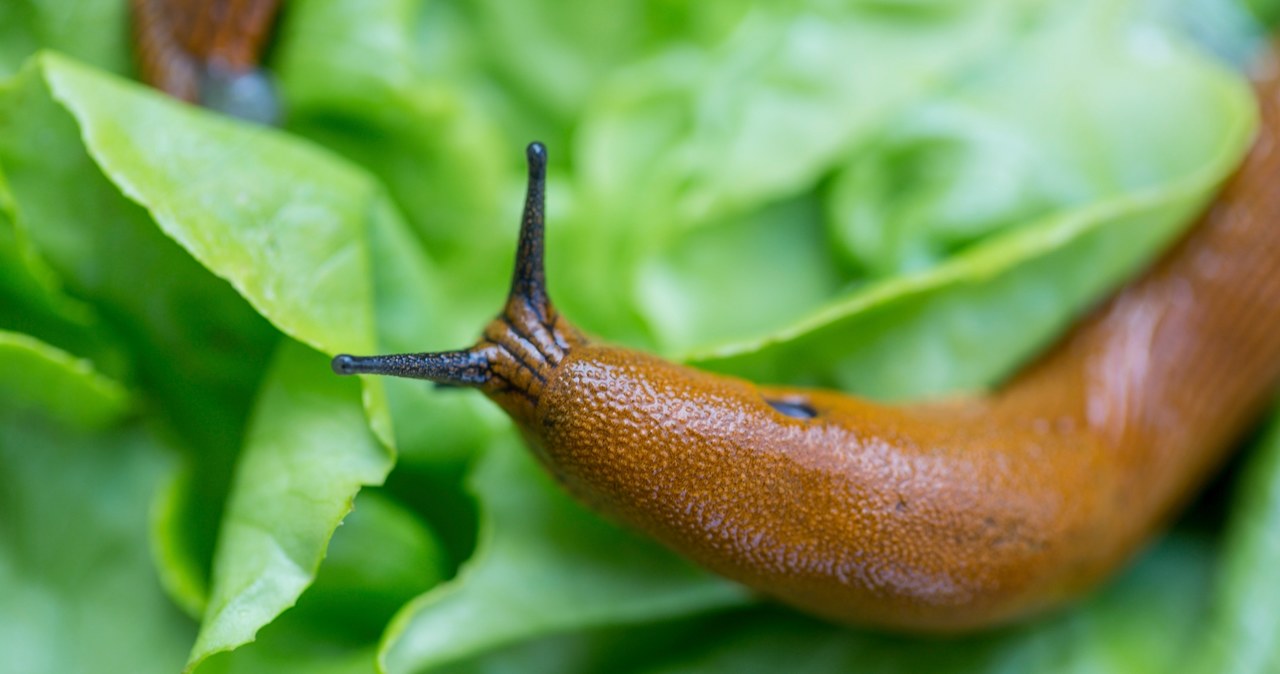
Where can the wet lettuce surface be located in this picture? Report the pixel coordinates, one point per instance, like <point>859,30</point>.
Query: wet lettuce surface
<point>898,198</point>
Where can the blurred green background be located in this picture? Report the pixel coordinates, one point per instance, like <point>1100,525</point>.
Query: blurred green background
<point>898,198</point>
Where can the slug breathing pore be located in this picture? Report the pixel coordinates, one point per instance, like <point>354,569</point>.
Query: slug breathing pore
<point>935,517</point>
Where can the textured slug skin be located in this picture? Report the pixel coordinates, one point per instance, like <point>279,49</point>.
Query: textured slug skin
<point>933,517</point>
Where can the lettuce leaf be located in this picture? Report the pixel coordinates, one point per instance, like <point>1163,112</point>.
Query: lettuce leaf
<point>543,566</point>
<point>307,452</point>
<point>77,591</point>
<point>1241,626</point>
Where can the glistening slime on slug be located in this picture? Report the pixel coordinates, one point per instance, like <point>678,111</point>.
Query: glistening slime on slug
<point>930,517</point>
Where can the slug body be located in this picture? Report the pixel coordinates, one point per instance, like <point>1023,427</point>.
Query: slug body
<point>207,52</point>
<point>930,517</point>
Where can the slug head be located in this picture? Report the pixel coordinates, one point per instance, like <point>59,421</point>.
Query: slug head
<point>519,350</point>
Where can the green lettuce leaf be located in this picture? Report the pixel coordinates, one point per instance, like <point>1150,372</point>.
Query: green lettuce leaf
<point>1000,300</point>
<point>77,589</point>
<point>698,133</point>
<point>680,138</point>
<point>379,558</point>
<point>352,80</point>
<point>267,238</point>
<point>998,152</point>
<point>543,565</point>
<point>281,235</point>
<point>997,303</point>
<point>162,309</point>
<point>1239,634</point>
<point>35,376</point>
<point>1015,142</point>
<point>95,31</point>
<point>307,452</point>
<point>354,83</point>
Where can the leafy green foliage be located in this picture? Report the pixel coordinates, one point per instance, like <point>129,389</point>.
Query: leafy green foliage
<point>307,452</point>
<point>37,378</point>
<point>918,218</point>
<point>1241,631</point>
<point>75,573</point>
<point>543,565</point>
<point>91,31</point>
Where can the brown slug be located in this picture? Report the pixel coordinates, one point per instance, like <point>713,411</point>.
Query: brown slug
<point>928,517</point>
<point>207,52</point>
